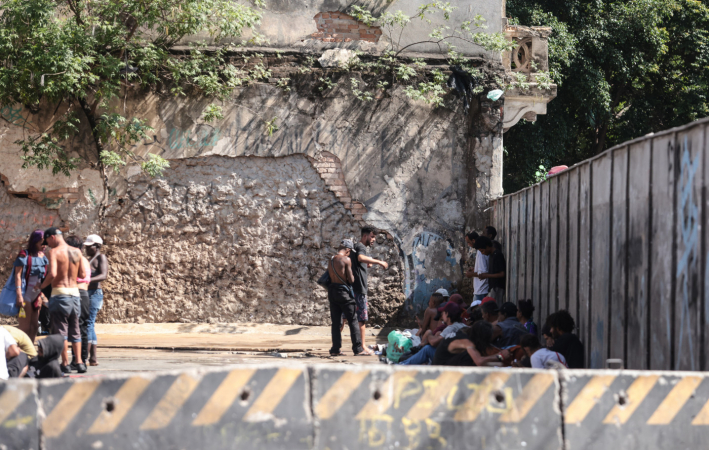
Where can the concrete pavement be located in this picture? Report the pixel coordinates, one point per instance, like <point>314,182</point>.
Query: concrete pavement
<point>170,346</point>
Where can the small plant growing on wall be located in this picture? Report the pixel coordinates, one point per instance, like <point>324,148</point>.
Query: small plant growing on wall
<point>79,58</point>
<point>422,82</point>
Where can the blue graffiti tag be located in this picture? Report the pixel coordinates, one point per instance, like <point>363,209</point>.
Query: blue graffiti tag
<point>205,137</point>
<point>688,212</point>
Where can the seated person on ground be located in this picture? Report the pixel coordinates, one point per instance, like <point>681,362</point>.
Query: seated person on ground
<point>23,340</point>
<point>524,315</point>
<point>540,357</point>
<point>46,364</point>
<point>511,331</point>
<point>547,338</point>
<point>450,314</point>
<point>490,310</point>
<point>428,322</point>
<point>14,362</point>
<point>470,347</point>
<point>565,342</point>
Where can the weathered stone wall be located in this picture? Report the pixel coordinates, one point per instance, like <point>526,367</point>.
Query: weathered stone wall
<point>422,175</point>
<point>225,239</point>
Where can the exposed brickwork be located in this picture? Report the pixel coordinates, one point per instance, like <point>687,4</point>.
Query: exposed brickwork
<point>336,26</point>
<point>330,170</point>
<point>50,199</point>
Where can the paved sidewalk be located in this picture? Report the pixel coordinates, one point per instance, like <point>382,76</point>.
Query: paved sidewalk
<point>169,346</point>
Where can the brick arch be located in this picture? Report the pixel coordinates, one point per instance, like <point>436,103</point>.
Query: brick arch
<point>330,170</point>
<point>334,26</point>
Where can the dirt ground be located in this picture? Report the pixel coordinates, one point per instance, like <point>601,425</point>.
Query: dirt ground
<point>170,346</point>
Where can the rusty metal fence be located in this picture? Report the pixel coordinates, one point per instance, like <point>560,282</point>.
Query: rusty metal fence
<point>619,241</point>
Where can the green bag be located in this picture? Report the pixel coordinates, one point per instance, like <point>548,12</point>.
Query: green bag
<point>398,345</point>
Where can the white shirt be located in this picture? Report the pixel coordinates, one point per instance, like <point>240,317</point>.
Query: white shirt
<point>6,341</point>
<point>481,286</point>
<point>546,359</point>
<point>450,331</point>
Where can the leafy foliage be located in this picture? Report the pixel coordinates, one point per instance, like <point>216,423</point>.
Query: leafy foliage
<point>624,69</point>
<point>420,85</point>
<point>86,54</point>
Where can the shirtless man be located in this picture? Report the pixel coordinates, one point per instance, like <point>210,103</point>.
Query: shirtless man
<point>341,300</point>
<point>64,304</point>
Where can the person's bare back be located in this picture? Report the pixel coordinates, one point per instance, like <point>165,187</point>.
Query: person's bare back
<point>65,265</point>
<point>341,270</point>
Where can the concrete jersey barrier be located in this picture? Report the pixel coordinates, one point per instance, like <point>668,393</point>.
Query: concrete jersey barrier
<point>364,407</point>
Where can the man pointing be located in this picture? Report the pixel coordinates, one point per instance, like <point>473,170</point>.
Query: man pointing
<point>360,264</point>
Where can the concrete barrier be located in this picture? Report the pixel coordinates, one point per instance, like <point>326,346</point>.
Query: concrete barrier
<point>433,408</point>
<point>337,407</point>
<point>635,410</point>
<point>18,415</point>
<point>247,407</point>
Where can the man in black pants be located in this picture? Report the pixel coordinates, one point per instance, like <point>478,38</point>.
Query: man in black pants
<point>341,298</point>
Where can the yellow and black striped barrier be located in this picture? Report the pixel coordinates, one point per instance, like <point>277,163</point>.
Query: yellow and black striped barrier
<point>362,407</point>
<point>435,408</point>
<point>635,409</point>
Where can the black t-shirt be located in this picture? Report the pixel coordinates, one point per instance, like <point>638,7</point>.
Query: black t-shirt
<point>496,264</point>
<point>443,357</point>
<point>359,269</point>
<point>571,348</point>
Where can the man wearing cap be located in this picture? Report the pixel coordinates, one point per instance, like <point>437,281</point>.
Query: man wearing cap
<point>99,272</point>
<point>341,298</point>
<point>450,313</point>
<point>360,265</point>
<point>64,304</point>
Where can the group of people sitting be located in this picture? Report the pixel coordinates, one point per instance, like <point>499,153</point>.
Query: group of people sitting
<point>485,334</point>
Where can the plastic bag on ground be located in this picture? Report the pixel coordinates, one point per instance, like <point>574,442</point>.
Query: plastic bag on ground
<point>398,345</point>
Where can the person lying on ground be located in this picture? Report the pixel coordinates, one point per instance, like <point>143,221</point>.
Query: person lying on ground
<point>451,318</point>
<point>428,322</point>
<point>470,347</point>
<point>540,357</point>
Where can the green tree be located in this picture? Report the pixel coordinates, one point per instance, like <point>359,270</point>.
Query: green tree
<point>624,69</point>
<point>81,56</point>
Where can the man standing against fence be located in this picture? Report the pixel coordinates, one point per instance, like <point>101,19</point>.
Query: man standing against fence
<point>360,265</point>
<point>497,266</point>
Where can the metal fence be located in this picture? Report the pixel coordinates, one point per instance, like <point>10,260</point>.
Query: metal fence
<point>619,241</point>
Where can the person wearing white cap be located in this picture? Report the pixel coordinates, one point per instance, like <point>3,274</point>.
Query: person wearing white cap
<point>99,272</point>
<point>444,293</point>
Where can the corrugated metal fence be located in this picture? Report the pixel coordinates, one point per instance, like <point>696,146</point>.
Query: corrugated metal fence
<point>618,241</point>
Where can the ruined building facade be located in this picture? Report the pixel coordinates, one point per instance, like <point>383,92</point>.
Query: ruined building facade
<point>241,225</point>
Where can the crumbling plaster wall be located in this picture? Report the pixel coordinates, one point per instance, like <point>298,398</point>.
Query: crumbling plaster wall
<point>224,239</point>
<point>418,171</point>
<point>290,24</point>
<point>409,163</point>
